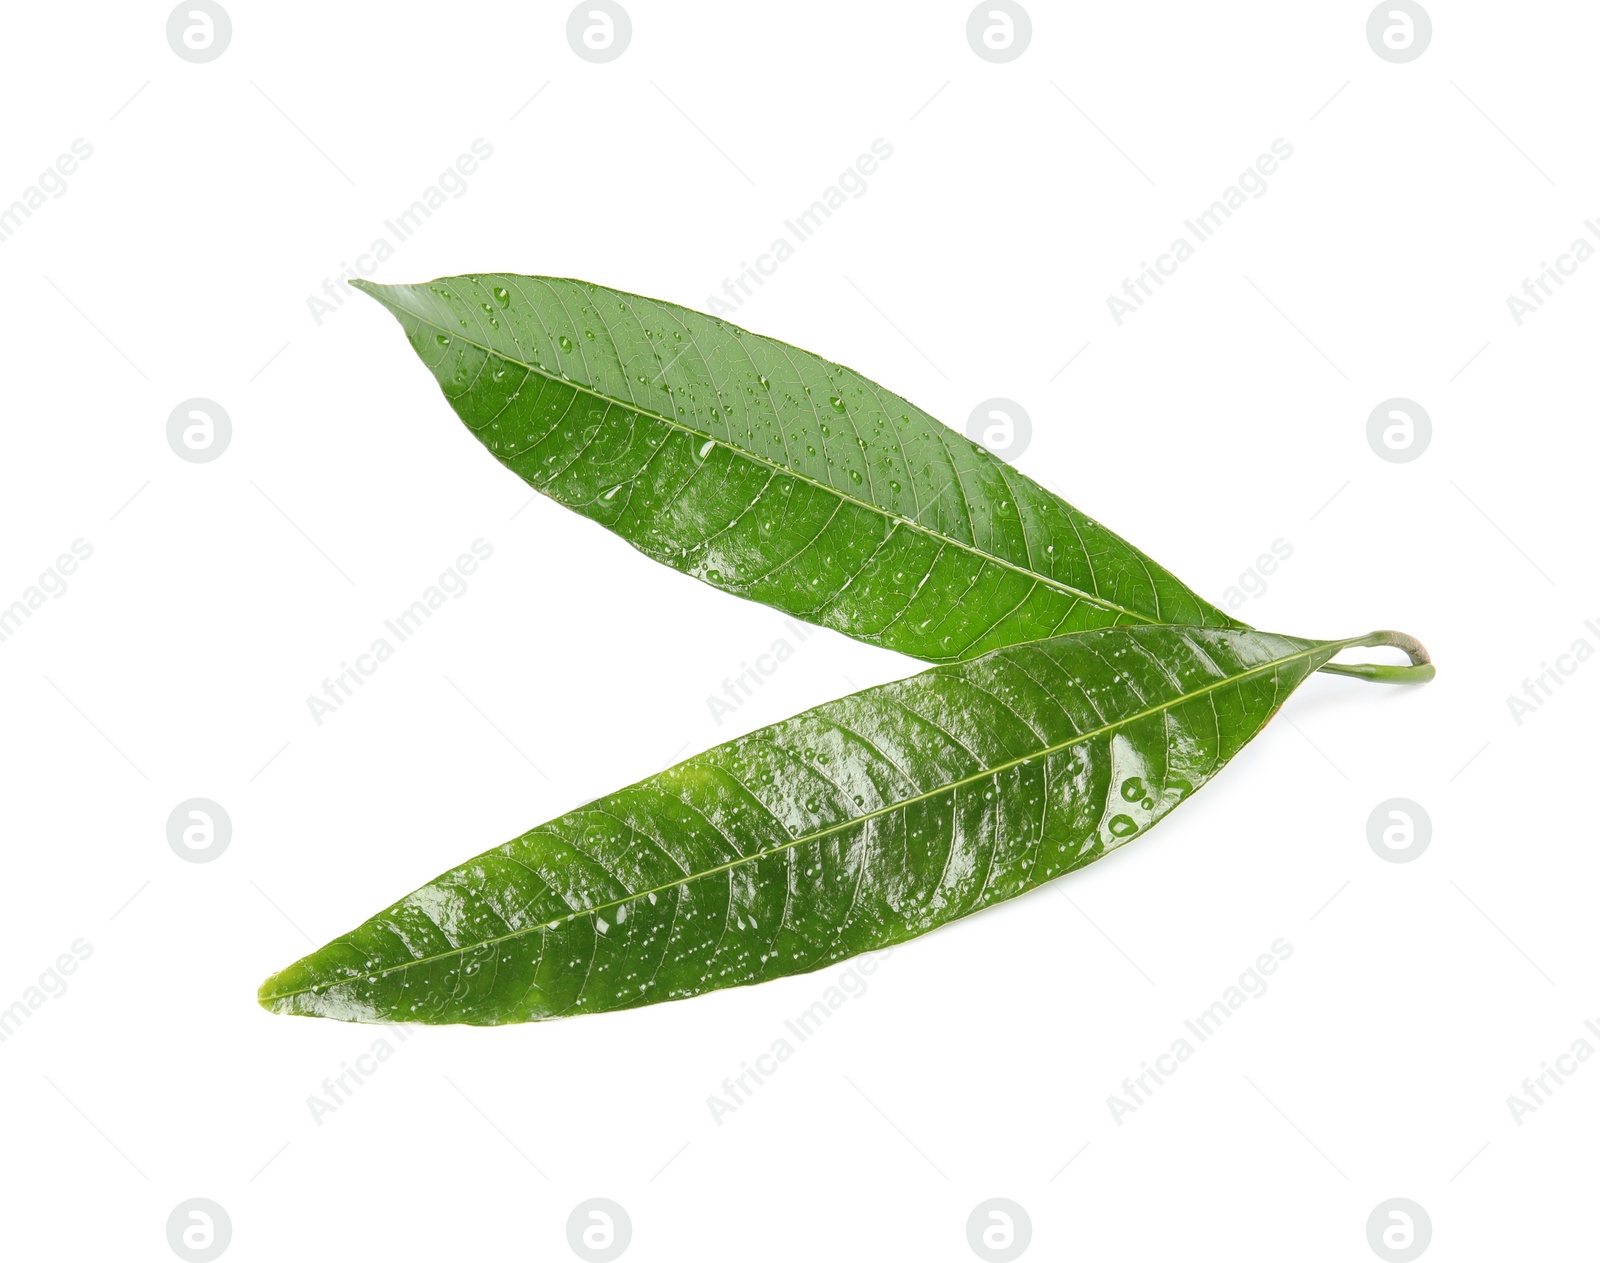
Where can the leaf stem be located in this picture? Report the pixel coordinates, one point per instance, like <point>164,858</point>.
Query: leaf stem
<point>1420,670</point>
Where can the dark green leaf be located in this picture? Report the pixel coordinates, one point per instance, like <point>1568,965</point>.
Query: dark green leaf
<point>772,473</point>
<point>853,826</point>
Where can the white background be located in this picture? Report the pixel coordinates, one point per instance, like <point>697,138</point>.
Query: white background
<point>1229,412</point>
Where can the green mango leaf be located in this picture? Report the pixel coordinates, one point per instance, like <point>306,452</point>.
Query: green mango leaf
<point>771,473</point>
<point>853,826</point>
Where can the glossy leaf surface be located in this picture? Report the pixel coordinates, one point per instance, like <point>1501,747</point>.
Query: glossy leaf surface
<point>771,473</point>
<point>856,825</point>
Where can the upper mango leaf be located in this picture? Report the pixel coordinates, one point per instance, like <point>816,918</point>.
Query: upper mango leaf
<point>771,473</point>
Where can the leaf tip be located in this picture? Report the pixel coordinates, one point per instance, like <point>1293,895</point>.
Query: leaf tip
<point>398,300</point>
<point>317,986</point>
<point>275,993</point>
<point>297,989</point>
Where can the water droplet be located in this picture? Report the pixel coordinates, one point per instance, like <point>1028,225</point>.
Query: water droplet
<point>705,448</point>
<point>1123,826</point>
<point>838,403</point>
<point>565,342</point>
<point>1133,789</point>
<point>441,339</point>
<point>502,295</point>
<point>855,475</point>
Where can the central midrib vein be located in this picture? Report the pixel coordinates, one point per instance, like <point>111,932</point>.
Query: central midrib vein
<point>688,878</point>
<point>781,468</point>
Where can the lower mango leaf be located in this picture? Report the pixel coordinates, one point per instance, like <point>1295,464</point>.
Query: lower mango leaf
<point>853,826</point>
